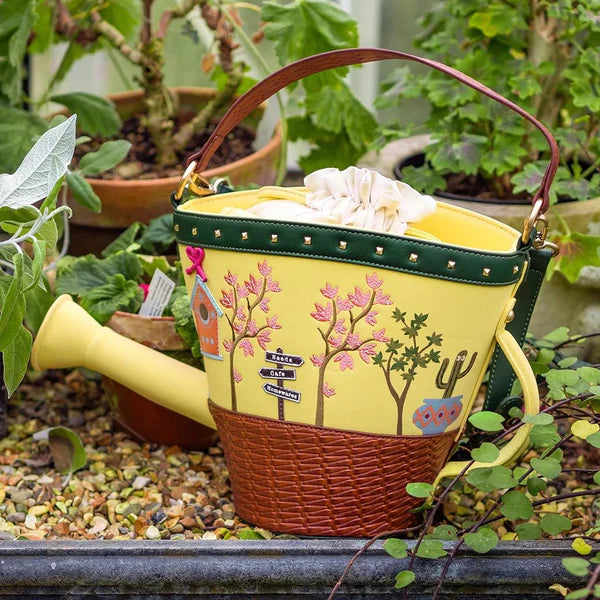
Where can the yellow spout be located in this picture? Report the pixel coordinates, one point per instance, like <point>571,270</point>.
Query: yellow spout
<point>69,337</point>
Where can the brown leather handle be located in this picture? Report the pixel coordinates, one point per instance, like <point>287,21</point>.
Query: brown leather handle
<point>278,80</point>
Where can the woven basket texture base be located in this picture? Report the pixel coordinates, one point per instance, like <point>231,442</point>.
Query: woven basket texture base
<point>307,480</point>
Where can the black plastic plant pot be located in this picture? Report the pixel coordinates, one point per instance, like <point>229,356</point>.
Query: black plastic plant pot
<point>270,569</point>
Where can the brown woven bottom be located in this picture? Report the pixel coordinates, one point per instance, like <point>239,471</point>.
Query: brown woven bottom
<point>302,479</point>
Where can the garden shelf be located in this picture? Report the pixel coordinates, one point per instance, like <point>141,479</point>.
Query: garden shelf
<point>294,569</point>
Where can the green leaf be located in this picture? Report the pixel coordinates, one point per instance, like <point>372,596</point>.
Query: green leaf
<point>487,420</point>
<point>577,250</point>
<point>445,533</point>
<point>539,419</point>
<point>150,264</point>
<point>581,546</point>
<point>579,594</point>
<point>546,467</point>
<point>543,436</point>
<point>528,531</point>
<point>594,439</point>
<point>158,236</point>
<point>118,294</point>
<point>590,375</point>
<point>597,478</point>
<point>576,566</point>
<point>403,579</point>
<point>249,534</point>
<point>305,27</point>
<point>396,548</point>
<point>535,485</point>
<point>76,276</point>
<point>554,524</point>
<point>431,549</point>
<point>483,540</point>
<point>184,319</point>
<point>19,129</point>
<point>13,307</point>
<point>516,506</point>
<point>124,241</point>
<point>565,363</point>
<point>461,156</point>
<point>16,358</point>
<point>488,479</point>
<point>486,453</point>
<point>497,19</point>
<point>38,302</point>
<point>107,156</point>
<point>96,115</point>
<point>66,448</point>
<point>83,192</point>
<point>419,490</point>
<point>424,179</point>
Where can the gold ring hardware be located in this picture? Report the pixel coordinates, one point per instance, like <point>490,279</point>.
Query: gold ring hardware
<point>197,184</point>
<point>531,220</point>
<point>540,222</point>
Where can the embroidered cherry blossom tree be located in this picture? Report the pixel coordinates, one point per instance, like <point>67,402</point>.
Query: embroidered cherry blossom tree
<point>243,304</point>
<point>348,330</point>
<point>406,359</point>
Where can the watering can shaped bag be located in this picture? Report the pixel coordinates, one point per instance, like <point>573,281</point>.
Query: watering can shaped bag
<point>342,363</point>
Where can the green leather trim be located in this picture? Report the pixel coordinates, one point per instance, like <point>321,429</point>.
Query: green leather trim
<point>432,257</point>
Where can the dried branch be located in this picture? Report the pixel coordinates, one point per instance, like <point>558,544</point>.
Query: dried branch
<point>176,13</point>
<point>66,26</point>
<point>116,39</point>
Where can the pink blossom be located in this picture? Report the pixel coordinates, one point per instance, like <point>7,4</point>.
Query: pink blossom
<point>371,318</point>
<point>359,298</point>
<point>366,351</point>
<point>343,304</point>
<point>254,286</point>
<point>329,291</point>
<point>322,313</point>
<point>353,340</point>
<point>335,340</point>
<point>264,338</point>
<point>264,268</point>
<point>252,327</point>
<point>273,286</point>
<point>230,278</point>
<point>240,313</point>
<point>145,287</point>
<point>345,360</point>
<point>379,335</point>
<point>264,305</point>
<point>246,346</point>
<point>381,298</point>
<point>238,327</point>
<point>242,291</point>
<point>228,345</point>
<point>237,376</point>
<point>339,326</point>
<point>328,391</point>
<point>317,359</point>
<point>272,322</point>
<point>227,299</point>
<point>373,281</point>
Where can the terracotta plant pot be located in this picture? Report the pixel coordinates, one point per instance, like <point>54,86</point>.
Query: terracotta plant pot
<point>577,305</point>
<point>145,419</point>
<point>127,201</point>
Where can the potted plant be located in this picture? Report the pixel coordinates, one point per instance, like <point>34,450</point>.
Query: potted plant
<point>538,54</point>
<point>112,288</point>
<point>164,126</point>
<point>28,214</point>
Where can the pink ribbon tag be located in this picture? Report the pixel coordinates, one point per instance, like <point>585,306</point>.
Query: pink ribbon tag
<point>196,255</point>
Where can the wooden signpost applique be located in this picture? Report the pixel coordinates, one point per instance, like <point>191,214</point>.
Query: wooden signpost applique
<point>281,372</point>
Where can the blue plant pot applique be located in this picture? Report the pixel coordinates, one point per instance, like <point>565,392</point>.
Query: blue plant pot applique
<point>437,414</point>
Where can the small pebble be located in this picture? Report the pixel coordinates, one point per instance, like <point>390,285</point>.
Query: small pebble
<point>16,517</point>
<point>152,533</point>
<point>140,482</point>
<point>30,521</point>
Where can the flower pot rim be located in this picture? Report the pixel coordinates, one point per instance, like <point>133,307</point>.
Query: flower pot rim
<point>257,155</point>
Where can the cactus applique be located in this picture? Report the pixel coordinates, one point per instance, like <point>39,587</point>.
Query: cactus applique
<point>456,373</point>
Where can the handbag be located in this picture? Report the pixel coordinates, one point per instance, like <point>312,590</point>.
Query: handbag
<point>343,363</point>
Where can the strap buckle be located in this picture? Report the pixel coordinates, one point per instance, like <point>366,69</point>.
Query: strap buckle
<point>539,222</point>
<point>197,184</point>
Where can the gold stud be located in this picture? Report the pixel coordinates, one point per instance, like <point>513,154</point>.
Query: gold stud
<point>515,269</point>
<point>274,238</point>
<point>176,227</point>
<point>451,264</point>
<point>379,250</point>
<point>342,245</point>
<point>194,231</point>
<point>244,235</point>
<point>217,233</point>
<point>307,240</point>
<point>486,272</point>
<point>413,257</point>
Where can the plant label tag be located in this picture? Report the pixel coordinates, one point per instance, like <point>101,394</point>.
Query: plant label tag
<point>159,293</point>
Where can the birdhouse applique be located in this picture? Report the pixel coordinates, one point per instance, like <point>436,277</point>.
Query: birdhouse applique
<point>206,313</point>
